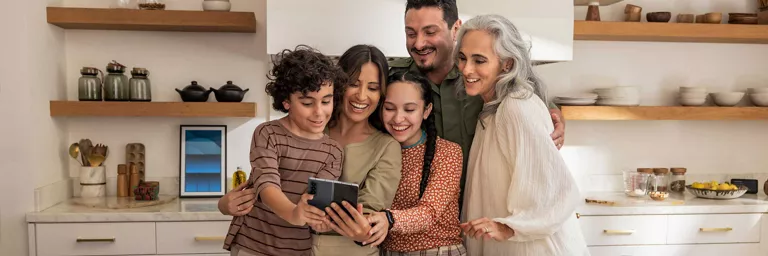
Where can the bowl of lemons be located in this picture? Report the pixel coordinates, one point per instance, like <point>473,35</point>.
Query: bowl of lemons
<point>715,190</point>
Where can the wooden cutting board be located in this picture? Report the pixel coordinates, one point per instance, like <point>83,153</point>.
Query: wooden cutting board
<point>619,200</point>
<point>113,202</point>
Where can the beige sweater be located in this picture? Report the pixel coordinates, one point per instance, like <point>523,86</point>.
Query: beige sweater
<point>375,165</point>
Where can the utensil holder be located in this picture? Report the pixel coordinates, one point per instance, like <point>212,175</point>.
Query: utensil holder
<point>93,181</point>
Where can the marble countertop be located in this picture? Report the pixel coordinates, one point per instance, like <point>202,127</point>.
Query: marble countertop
<point>675,204</point>
<point>203,209</point>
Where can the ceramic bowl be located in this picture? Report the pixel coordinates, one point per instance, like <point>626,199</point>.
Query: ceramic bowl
<point>758,90</point>
<point>217,5</point>
<point>717,194</point>
<point>759,99</point>
<point>692,101</point>
<point>727,99</point>
<point>687,89</point>
<point>693,95</point>
<point>658,16</point>
<point>658,195</point>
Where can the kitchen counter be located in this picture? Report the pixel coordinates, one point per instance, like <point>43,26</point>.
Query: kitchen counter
<point>203,209</point>
<point>675,204</point>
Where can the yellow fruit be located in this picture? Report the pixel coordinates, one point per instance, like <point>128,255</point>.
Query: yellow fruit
<point>697,185</point>
<point>724,186</point>
<point>734,187</point>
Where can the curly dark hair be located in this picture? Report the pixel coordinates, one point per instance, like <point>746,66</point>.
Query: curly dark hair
<point>304,70</point>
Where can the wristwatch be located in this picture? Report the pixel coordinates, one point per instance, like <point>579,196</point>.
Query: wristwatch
<point>390,219</point>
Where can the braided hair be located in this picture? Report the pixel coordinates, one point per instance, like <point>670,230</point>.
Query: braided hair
<point>428,125</point>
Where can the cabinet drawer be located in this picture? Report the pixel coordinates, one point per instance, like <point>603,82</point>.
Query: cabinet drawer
<point>624,230</point>
<point>678,250</point>
<point>64,239</point>
<point>714,228</point>
<point>191,237</point>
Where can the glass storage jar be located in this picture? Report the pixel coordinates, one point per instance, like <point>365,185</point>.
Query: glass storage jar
<point>116,83</point>
<point>636,183</point>
<point>661,179</point>
<point>650,180</point>
<point>677,181</point>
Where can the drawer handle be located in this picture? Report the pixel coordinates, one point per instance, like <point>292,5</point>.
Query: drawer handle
<point>209,238</point>
<point>715,229</point>
<point>90,240</point>
<point>619,232</point>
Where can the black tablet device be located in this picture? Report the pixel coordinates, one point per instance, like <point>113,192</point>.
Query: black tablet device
<point>331,191</point>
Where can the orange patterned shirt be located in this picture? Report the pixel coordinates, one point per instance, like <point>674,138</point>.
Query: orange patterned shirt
<point>433,220</point>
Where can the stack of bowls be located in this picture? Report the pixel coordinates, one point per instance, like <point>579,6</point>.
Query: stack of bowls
<point>585,99</point>
<point>759,96</point>
<point>727,99</point>
<point>692,96</point>
<point>618,96</point>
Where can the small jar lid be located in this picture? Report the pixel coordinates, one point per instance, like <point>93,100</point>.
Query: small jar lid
<point>678,170</point>
<point>659,171</point>
<point>645,170</point>
<point>139,71</point>
<point>89,71</point>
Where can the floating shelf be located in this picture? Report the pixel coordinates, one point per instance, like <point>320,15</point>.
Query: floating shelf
<point>151,20</point>
<point>663,113</point>
<point>152,109</point>
<point>670,32</point>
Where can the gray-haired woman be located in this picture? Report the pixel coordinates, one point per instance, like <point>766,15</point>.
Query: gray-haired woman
<point>520,192</point>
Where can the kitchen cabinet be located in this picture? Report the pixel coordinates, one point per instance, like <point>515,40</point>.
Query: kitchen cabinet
<point>199,238</point>
<point>676,234</point>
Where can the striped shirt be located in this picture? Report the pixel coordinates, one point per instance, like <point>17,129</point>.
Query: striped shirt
<point>284,160</point>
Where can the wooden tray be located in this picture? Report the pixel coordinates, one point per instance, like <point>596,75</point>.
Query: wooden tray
<point>113,202</point>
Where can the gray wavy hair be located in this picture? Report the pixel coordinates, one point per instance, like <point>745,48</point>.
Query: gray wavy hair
<point>508,45</point>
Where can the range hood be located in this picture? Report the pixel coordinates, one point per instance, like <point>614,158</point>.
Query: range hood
<point>332,26</point>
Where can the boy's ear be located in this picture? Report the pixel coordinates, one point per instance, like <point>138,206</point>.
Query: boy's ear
<point>286,104</point>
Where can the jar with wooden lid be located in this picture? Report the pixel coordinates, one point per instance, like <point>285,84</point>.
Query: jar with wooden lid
<point>677,181</point>
<point>649,172</point>
<point>661,179</point>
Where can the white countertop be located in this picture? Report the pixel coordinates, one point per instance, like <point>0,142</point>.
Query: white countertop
<point>206,209</point>
<point>675,204</point>
<point>203,209</point>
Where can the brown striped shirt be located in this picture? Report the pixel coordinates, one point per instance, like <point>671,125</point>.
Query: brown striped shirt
<point>284,160</point>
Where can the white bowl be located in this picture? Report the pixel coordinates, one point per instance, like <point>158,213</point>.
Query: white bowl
<point>759,99</point>
<point>758,90</point>
<point>693,95</point>
<point>692,101</point>
<point>217,5</point>
<point>686,89</point>
<point>727,99</point>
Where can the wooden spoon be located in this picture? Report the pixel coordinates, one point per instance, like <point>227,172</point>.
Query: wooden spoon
<point>85,150</point>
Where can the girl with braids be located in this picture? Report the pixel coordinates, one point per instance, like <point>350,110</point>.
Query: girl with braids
<point>520,196</point>
<point>423,219</point>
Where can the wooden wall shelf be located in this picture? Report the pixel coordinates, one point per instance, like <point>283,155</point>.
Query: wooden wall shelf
<point>152,109</point>
<point>663,113</point>
<point>151,20</point>
<point>670,32</point>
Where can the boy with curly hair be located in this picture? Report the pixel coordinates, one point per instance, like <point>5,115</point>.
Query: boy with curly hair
<point>285,153</point>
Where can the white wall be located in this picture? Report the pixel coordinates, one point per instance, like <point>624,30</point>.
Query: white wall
<point>174,59</point>
<point>31,74</point>
<point>597,151</point>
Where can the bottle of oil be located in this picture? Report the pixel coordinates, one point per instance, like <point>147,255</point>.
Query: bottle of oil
<point>238,177</point>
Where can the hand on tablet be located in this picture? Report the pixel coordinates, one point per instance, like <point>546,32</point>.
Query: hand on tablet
<point>356,227</point>
<point>379,230</point>
<point>238,202</point>
<point>307,214</point>
<point>321,228</point>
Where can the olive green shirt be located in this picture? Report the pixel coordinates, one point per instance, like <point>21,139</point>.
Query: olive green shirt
<point>455,116</point>
<point>375,164</point>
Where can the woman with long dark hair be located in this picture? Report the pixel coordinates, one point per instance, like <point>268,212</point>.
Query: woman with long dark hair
<point>371,157</point>
<point>423,219</point>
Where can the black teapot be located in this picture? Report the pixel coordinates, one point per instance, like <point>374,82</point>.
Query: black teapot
<point>194,93</point>
<point>229,93</point>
